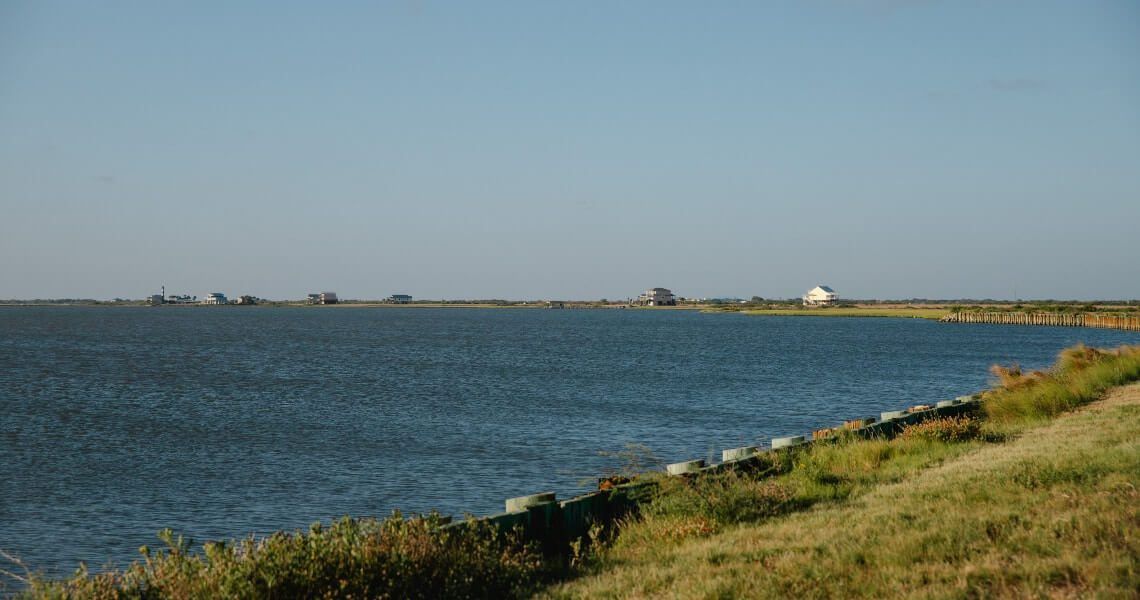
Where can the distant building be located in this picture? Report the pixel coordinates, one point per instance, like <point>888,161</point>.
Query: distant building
<point>323,298</point>
<point>215,298</point>
<point>657,297</point>
<point>821,296</point>
<point>246,300</point>
<point>400,299</point>
<point>160,299</point>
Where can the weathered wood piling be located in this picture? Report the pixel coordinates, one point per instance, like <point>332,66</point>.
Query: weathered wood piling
<point>1103,321</point>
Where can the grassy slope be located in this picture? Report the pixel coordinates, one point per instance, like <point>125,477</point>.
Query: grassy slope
<point>1056,512</point>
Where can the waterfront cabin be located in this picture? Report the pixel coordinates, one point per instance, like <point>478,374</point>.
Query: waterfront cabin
<point>821,296</point>
<point>215,298</point>
<point>657,297</point>
<point>400,299</point>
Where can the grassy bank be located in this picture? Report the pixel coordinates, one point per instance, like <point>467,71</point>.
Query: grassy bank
<point>1024,498</point>
<point>1016,501</point>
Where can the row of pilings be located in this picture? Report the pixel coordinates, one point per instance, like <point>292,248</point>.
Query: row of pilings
<point>1104,321</point>
<point>556,525</point>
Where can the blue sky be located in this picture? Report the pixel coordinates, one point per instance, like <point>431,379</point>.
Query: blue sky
<point>890,149</point>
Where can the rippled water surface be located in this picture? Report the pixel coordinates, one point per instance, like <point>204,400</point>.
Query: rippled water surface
<point>220,422</point>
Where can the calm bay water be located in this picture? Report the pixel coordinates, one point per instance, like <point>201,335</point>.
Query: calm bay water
<point>220,422</point>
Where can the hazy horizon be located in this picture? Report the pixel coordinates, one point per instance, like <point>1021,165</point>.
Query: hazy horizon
<point>889,149</point>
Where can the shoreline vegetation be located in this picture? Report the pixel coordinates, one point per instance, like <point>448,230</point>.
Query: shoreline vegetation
<point>1034,493</point>
<point>1123,315</point>
<point>905,312</point>
<point>928,309</point>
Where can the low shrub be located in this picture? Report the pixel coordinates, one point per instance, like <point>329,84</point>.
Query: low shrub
<point>962,428</point>
<point>351,558</point>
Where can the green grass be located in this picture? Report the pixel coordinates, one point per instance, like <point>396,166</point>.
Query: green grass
<point>1019,502</point>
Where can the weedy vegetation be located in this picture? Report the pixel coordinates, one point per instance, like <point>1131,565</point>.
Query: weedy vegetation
<point>1080,375</point>
<point>351,558</point>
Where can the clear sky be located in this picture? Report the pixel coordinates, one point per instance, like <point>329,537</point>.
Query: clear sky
<point>890,149</point>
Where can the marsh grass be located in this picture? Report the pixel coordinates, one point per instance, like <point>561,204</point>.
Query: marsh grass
<point>351,558</point>
<point>1080,375</point>
<point>850,311</point>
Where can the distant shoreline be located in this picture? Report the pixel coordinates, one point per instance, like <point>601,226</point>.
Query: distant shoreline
<point>931,313</point>
<point>869,309</point>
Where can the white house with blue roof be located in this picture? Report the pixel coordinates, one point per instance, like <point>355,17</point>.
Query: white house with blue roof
<point>821,296</point>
